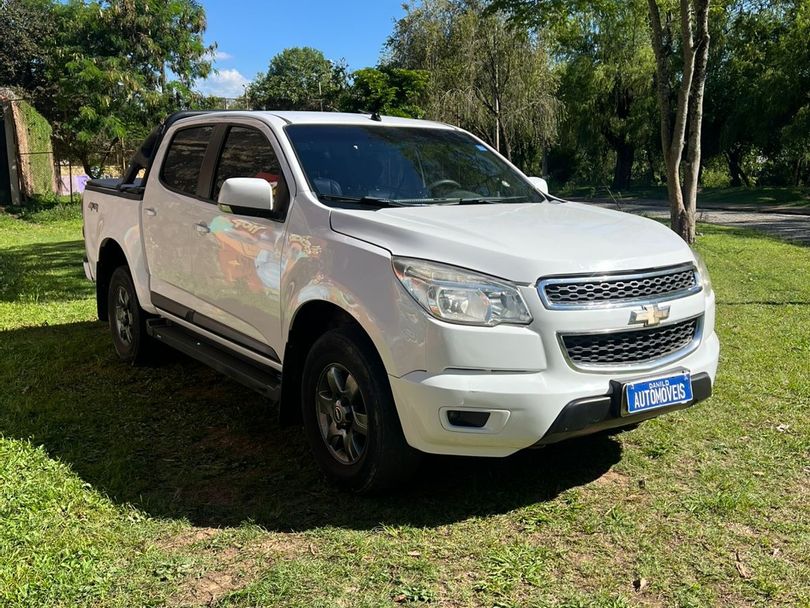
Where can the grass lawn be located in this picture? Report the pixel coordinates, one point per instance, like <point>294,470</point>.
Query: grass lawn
<point>744,197</point>
<point>173,486</point>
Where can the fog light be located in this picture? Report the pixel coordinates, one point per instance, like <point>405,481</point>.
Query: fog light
<point>467,419</point>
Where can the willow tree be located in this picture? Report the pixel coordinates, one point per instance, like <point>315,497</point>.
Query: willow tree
<point>605,62</point>
<point>679,33</point>
<point>485,76</point>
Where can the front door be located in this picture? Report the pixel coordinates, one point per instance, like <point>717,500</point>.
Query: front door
<point>241,259</point>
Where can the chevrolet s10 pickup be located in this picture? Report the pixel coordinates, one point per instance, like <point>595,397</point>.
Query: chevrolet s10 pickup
<point>396,285</point>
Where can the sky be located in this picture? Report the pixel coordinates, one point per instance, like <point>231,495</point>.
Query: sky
<point>249,33</point>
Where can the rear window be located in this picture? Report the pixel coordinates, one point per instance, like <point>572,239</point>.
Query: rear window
<point>184,158</point>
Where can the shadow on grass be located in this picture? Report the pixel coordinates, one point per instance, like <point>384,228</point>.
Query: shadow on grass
<point>43,272</point>
<point>178,440</point>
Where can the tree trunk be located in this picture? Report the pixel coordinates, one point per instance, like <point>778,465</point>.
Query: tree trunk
<point>735,170</point>
<point>497,123</point>
<point>623,171</point>
<point>688,110</point>
<point>695,110</point>
<point>650,165</point>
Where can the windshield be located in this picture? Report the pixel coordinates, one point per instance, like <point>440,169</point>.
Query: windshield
<point>404,165</point>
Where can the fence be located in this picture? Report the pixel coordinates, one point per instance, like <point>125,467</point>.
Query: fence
<point>29,166</point>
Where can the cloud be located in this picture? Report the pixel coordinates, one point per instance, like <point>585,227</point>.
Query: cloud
<point>224,83</point>
<point>222,55</point>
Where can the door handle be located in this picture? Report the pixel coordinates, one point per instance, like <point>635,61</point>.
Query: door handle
<point>150,212</point>
<point>202,228</point>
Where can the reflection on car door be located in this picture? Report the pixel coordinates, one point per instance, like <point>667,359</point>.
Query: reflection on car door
<point>241,260</point>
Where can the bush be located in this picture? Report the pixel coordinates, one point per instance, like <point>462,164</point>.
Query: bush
<point>715,174</point>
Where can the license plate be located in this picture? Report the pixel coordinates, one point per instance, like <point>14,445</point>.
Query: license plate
<point>647,395</point>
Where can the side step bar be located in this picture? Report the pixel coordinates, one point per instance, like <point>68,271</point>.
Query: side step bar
<point>264,380</point>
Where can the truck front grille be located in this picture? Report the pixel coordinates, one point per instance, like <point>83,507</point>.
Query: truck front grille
<point>629,348</point>
<point>612,289</point>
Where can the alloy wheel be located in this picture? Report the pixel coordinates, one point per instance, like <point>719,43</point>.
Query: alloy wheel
<point>342,414</point>
<point>124,316</point>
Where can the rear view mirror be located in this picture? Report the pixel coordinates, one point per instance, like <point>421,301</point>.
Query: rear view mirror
<point>540,184</point>
<point>250,193</point>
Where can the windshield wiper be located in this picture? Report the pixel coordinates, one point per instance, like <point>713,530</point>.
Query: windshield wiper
<point>390,202</point>
<point>365,200</point>
<point>491,200</point>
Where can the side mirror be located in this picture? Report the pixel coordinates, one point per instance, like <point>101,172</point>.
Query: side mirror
<point>540,184</point>
<point>249,193</point>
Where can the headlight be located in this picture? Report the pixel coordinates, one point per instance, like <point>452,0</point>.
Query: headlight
<point>459,296</point>
<point>703,271</point>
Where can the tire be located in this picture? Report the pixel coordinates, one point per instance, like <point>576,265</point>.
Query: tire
<point>349,415</point>
<point>128,320</point>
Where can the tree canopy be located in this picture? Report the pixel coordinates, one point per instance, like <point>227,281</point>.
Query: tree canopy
<point>599,92</point>
<point>299,78</point>
<point>484,76</point>
<point>106,70</point>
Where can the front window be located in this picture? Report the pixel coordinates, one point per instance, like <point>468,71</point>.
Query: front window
<point>404,166</point>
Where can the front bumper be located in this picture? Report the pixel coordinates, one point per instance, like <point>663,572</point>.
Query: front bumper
<point>593,414</point>
<point>526,408</point>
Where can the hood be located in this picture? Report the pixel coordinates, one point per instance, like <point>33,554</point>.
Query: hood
<point>518,242</point>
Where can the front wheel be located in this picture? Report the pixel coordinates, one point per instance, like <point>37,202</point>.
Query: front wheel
<point>349,414</point>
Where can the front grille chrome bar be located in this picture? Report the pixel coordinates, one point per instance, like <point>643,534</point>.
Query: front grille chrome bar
<point>619,289</point>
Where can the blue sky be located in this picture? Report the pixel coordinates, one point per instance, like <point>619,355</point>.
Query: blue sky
<point>249,32</point>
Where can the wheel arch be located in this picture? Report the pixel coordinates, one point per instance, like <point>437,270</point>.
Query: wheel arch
<point>309,322</point>
<point>110,256</point>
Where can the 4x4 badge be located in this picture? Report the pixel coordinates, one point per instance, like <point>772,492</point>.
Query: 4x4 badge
<point>649,315</point>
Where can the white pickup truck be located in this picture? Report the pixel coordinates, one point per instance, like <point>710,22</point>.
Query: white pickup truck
<point>396,285</point>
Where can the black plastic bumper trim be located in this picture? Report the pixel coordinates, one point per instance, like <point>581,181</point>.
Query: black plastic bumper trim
<point>593,414</point>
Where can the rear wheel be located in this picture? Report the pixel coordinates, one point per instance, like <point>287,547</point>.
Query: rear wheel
<point>128,320</point>
<point>349,414</point>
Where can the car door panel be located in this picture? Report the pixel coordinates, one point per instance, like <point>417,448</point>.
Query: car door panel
<point>170,212</point>
<point>241,255</point>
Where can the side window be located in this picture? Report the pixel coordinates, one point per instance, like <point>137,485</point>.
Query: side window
<point>181,166</point>
<point>247,153</point>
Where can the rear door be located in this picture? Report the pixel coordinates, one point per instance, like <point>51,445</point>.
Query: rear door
<point>172,213</point>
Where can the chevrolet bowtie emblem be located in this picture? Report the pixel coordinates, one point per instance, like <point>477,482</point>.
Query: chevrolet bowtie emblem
<point>650,315</point>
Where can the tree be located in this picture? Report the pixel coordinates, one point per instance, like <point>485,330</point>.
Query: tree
<point>299,78</point>
<point>387,90</point>
<point>26,28</point>
<point>485,77</point>
<point>758,91</point>
<point>681,56</point>
<point>101,75</point>
<point>681,117</point>
<point>605,62</point>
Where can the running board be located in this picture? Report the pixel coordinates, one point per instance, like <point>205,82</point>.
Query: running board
<point>264,380</point>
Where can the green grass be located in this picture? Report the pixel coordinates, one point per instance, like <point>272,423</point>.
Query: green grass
<point>743,197</point>
<point>170,485</point>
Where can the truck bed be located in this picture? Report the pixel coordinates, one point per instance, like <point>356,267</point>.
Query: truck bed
<point>116,187</point>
